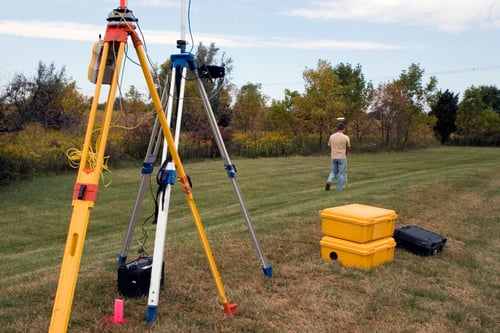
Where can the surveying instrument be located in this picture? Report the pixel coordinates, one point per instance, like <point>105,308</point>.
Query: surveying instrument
<point>110,55</point>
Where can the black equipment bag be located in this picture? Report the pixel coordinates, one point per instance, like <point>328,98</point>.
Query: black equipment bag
<point>418,240</point>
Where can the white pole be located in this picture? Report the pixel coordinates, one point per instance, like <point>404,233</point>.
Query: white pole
<point>183,19</point>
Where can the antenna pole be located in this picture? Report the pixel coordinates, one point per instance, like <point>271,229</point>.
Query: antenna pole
<point>183,20</point>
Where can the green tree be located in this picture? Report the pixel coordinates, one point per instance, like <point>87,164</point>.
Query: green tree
<point>477,122</point>
<point>216,86</point>
<point>73,105</point>
<point>49,99</point>
<point>414,118</point>
<point>493,127</point>
<point>14,103</point>
<point>400,107</point>
<point>134,101</point>
<point>490,96</point>
<point>281,115</point>
<point>471,116</point>
<point>388,101</point>
<point>45,106</point>
<point>249,109</point>
<point>445,110</point>
<point>218,89</point>
<point>355,92</point>
<point>132,106</point>
<point>322,101</point>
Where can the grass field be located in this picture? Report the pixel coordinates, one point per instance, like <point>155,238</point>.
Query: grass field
<point>452,191</point>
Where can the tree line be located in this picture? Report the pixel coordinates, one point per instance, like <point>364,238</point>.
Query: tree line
<point>397,114</point>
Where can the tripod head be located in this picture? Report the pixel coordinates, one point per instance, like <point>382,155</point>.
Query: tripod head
<point>181,44</point>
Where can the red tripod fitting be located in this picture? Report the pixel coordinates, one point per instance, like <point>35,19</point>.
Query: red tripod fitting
<point>120,26</point>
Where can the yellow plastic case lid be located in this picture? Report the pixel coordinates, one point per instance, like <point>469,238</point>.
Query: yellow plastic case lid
<point>358,214</point>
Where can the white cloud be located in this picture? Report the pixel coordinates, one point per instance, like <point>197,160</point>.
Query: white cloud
<point>88,32</point>
<point>51,30</point>
<point>70,31</point>
<point>238,41</point>
<point>445,15</point>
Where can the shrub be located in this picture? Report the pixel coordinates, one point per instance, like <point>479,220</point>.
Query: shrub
<point>33,151</point>
<point>268,144</point>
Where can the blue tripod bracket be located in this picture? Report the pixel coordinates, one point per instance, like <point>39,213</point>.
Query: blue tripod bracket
<point>231,170</point>
<point>147,168</point>
<point>167,177</point>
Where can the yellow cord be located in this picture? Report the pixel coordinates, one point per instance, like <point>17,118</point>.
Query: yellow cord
<point>74,157</point>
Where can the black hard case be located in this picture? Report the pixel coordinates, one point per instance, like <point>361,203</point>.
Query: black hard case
<point>134,277</point>
<point>418,240</point>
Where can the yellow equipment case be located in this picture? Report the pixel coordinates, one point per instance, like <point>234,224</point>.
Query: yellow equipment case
<point>358,223</point>
<point>366,255</point>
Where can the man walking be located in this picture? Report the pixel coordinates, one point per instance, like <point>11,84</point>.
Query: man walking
<point>339,147</point>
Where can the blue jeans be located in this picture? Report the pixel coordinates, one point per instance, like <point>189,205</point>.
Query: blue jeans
<point>339,167</point>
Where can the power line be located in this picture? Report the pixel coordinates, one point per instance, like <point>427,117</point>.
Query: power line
<point>465,70</point>
<point>446,72</point>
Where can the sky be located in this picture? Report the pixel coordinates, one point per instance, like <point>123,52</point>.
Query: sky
<point>271,42</point>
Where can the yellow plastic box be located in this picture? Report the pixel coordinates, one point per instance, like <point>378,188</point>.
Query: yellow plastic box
<point>351,254</point>
<point>358,223</point>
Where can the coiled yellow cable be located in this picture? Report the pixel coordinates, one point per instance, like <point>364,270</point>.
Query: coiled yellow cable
<point>74,157</point>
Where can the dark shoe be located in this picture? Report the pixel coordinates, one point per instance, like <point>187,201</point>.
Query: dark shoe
<point>327,187</point>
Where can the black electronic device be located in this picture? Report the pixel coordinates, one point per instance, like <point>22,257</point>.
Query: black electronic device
<point>211,71</point>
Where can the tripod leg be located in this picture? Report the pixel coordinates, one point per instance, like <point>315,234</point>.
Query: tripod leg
<point>159,245</point>
<point>146,171</point>
<point>229,308</point>
<point>164,202</point>
<point>84,196</point>
<point>268,269</point>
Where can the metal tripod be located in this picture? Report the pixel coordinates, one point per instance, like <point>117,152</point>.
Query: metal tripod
<point>121,25</point>
<point>179,63</point>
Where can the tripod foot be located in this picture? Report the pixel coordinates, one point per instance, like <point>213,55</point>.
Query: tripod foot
<point>268,271</point>
<point>151,314</point>
<point>230,308</point>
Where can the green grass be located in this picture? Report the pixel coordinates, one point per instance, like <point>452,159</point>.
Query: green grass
<point>452,191</point>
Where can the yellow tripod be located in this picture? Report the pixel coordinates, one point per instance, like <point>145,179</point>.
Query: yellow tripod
<point>119,28</point>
